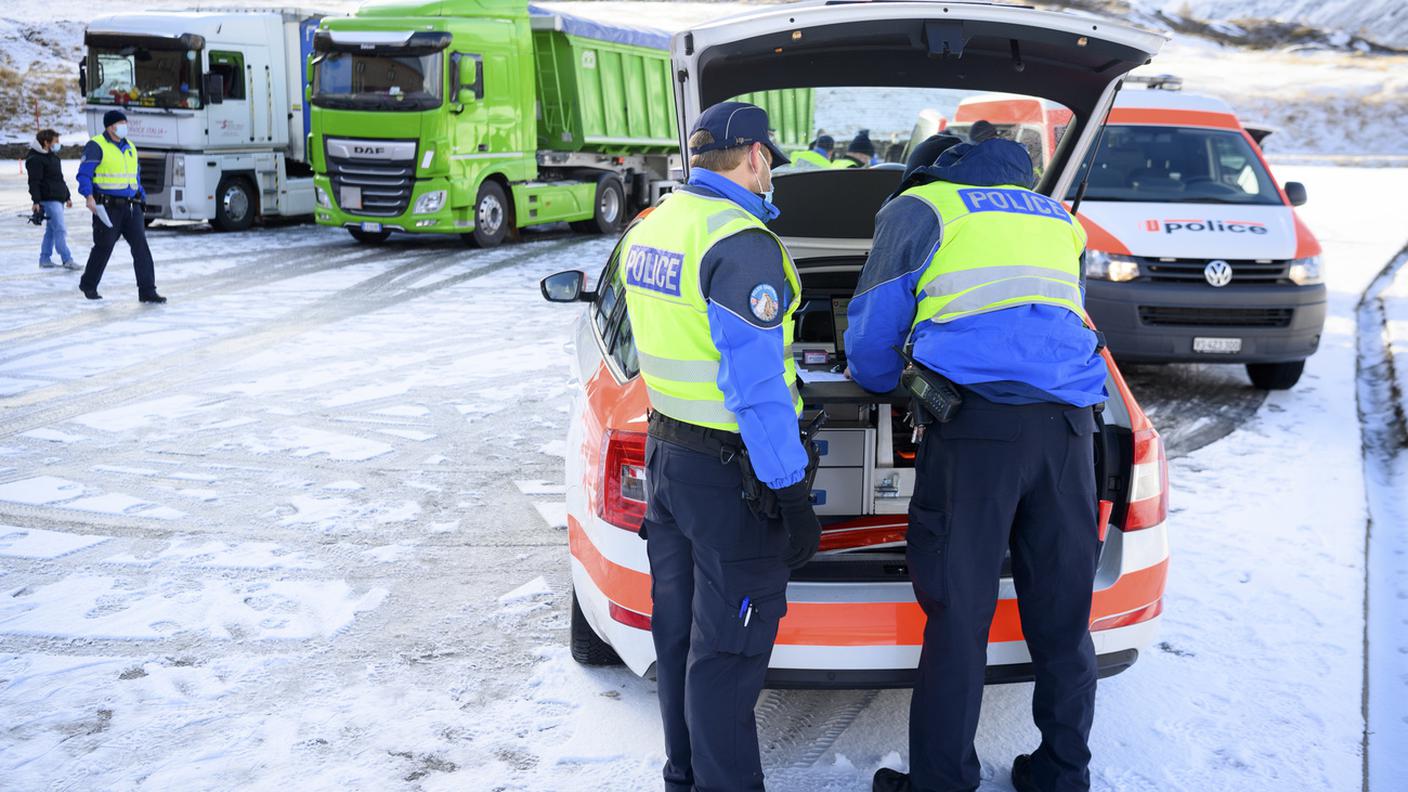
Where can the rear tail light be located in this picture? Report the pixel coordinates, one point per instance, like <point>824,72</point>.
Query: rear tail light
<point>630,618</point>
<point>1148,492</point>
<point>621,499</point>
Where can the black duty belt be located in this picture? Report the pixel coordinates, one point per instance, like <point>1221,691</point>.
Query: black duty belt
<point>696,438</point>
<point>115,199</point>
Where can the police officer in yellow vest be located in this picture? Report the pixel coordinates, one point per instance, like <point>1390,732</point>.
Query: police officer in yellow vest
<point>109,179</point>
<point>711,294</point>
<point>983,277</point>
<point>818,155</point>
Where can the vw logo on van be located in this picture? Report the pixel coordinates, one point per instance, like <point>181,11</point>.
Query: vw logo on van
<point>1218,273</point>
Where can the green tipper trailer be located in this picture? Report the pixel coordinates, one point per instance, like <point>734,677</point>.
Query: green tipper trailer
<point>478,117</point>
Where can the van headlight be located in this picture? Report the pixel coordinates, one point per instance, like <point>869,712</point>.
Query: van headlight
<point>1305,271</point>
<point>178,172</point>
<point>431,202</point>
<point>322,196</point>
<point>1105,266</point>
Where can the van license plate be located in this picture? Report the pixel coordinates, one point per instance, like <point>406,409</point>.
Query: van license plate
<point>350,197</point>
<point>1217,346</point>
<point>372,228</point>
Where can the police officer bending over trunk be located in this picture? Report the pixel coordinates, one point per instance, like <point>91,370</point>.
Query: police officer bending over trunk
<point>983,276</point>
<point>711,293</point>
<point>109,179</point>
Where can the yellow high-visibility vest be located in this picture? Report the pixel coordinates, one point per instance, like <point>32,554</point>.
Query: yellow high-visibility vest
<point>1002,246</point>
<point>660,268</point>
<point>118,169</point>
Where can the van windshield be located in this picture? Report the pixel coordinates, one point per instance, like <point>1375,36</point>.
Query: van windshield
<point>1160,164</point>
<point>377,81</point>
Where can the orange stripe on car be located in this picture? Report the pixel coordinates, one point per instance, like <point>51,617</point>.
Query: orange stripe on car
<point>1181,118</point>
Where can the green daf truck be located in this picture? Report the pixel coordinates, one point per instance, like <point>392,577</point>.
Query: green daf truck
<point>480,117</point>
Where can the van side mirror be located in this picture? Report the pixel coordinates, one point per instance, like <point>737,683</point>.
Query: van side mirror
<point>566,287</point>
<point>214,89</point>
<point>1295,193</point>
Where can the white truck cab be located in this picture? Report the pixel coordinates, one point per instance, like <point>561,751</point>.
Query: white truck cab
<point>215,105</point>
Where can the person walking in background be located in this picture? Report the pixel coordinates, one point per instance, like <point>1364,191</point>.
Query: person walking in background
<point>50,195</point>
<point>109,179</point>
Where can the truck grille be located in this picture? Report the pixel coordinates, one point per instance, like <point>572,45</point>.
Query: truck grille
<point>152,173</point>
<point>1244,271</point>
<point>385,184</point>
<point>1215,317</point>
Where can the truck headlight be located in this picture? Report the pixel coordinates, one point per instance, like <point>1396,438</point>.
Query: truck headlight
<point>178,171</point>
<point>1305,271</point>
<point>430,203</point>
<point>1105,266</point>
<point>322,196</point>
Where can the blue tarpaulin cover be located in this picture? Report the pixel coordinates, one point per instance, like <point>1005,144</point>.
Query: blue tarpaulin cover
<point>619,34</point>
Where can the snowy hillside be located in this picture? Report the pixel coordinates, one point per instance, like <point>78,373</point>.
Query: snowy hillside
<point>1323,98</point>
<point>1384,22</point>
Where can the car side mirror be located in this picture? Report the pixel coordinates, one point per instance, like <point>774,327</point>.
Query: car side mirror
<point>1295,193</point>
<point>214,89</point>
<point>566,287</point>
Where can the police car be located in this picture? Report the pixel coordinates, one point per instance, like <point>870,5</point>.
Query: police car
<point>852,620</point>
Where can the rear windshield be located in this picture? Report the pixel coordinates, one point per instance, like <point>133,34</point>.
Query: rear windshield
<point>1176,165</point>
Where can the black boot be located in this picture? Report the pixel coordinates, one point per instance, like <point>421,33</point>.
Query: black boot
<point>91,294</point>
<point>887,780</point>
<point>1022,780</point>
<point>151,297</point>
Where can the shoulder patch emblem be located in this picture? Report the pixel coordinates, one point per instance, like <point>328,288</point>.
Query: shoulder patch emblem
<point>764,303</point>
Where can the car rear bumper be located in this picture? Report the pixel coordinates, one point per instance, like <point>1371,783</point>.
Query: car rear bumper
<point>1157,322</point>
<point>885,678</point>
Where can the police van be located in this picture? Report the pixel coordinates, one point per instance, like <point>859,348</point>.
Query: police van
<point>1195,251</point>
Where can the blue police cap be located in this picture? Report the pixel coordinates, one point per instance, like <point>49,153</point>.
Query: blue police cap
<point>733,124</point>
<point>112,117</point>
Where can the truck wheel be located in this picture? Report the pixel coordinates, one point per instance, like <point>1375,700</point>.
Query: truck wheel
<point>1275,376</point>
<point>491,216</point>
<point>610,208</point>
<point>587,647</point>
<point>235,204</point>
<point>369,237</point>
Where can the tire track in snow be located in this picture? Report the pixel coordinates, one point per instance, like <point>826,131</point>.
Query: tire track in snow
<point>68,400</point>
<point>797,727</point>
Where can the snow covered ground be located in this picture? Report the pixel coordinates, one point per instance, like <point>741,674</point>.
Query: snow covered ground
<point>301,527</point>
<point>1322,102</point>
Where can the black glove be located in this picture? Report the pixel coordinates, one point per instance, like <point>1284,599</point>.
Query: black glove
<point>799,520</point>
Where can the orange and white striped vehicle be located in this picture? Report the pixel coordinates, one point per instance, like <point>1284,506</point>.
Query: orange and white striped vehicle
<point>852,619</point>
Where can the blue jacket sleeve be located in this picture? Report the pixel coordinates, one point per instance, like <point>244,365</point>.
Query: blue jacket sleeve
<point>907,231</point>
<point>743,279</point>
<point>92,155</point>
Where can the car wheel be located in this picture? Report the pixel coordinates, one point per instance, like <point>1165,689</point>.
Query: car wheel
<point>587,646</point>
<point>369,237</point>
<point>492,217</point>
<point>235,204</point>
<point>1275,376</point>
<point>610,208</point>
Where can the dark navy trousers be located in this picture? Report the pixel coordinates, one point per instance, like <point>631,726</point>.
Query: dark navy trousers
<point>127,224</point>
<point>999,477</point>
<point>708,552</point>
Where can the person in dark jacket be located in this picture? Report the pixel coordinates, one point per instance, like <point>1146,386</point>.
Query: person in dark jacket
<point>50,195</point>
<point>860,152</point>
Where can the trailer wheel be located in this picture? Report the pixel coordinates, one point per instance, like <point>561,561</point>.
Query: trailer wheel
<point>587,646</point>
<point>491,216</point>
<point>1275,376</point>
<point>369,237</point>
<point>235,204</point>
<point>610,208</point>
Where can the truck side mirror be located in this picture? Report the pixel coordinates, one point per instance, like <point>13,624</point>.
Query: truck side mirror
<point>214,89</point>
<point>83,77</point>
<point>566,287</point>
<point>1295,193</point>
<point>465,96</point>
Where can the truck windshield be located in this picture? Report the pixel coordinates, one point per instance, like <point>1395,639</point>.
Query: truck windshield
<point>1159,164</point>
<point>377,81</point>
<point>133,75</point>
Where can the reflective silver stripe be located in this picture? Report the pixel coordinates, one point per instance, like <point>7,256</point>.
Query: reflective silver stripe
<point>792,389</point>
<point>983,297</point>
<point>706,371</point>
<point>963,280</point>
<point>700,411</point>
<point>720,219</point>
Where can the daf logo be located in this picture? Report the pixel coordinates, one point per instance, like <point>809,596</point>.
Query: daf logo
<point>1218,273</point>
<point>369,150</point>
